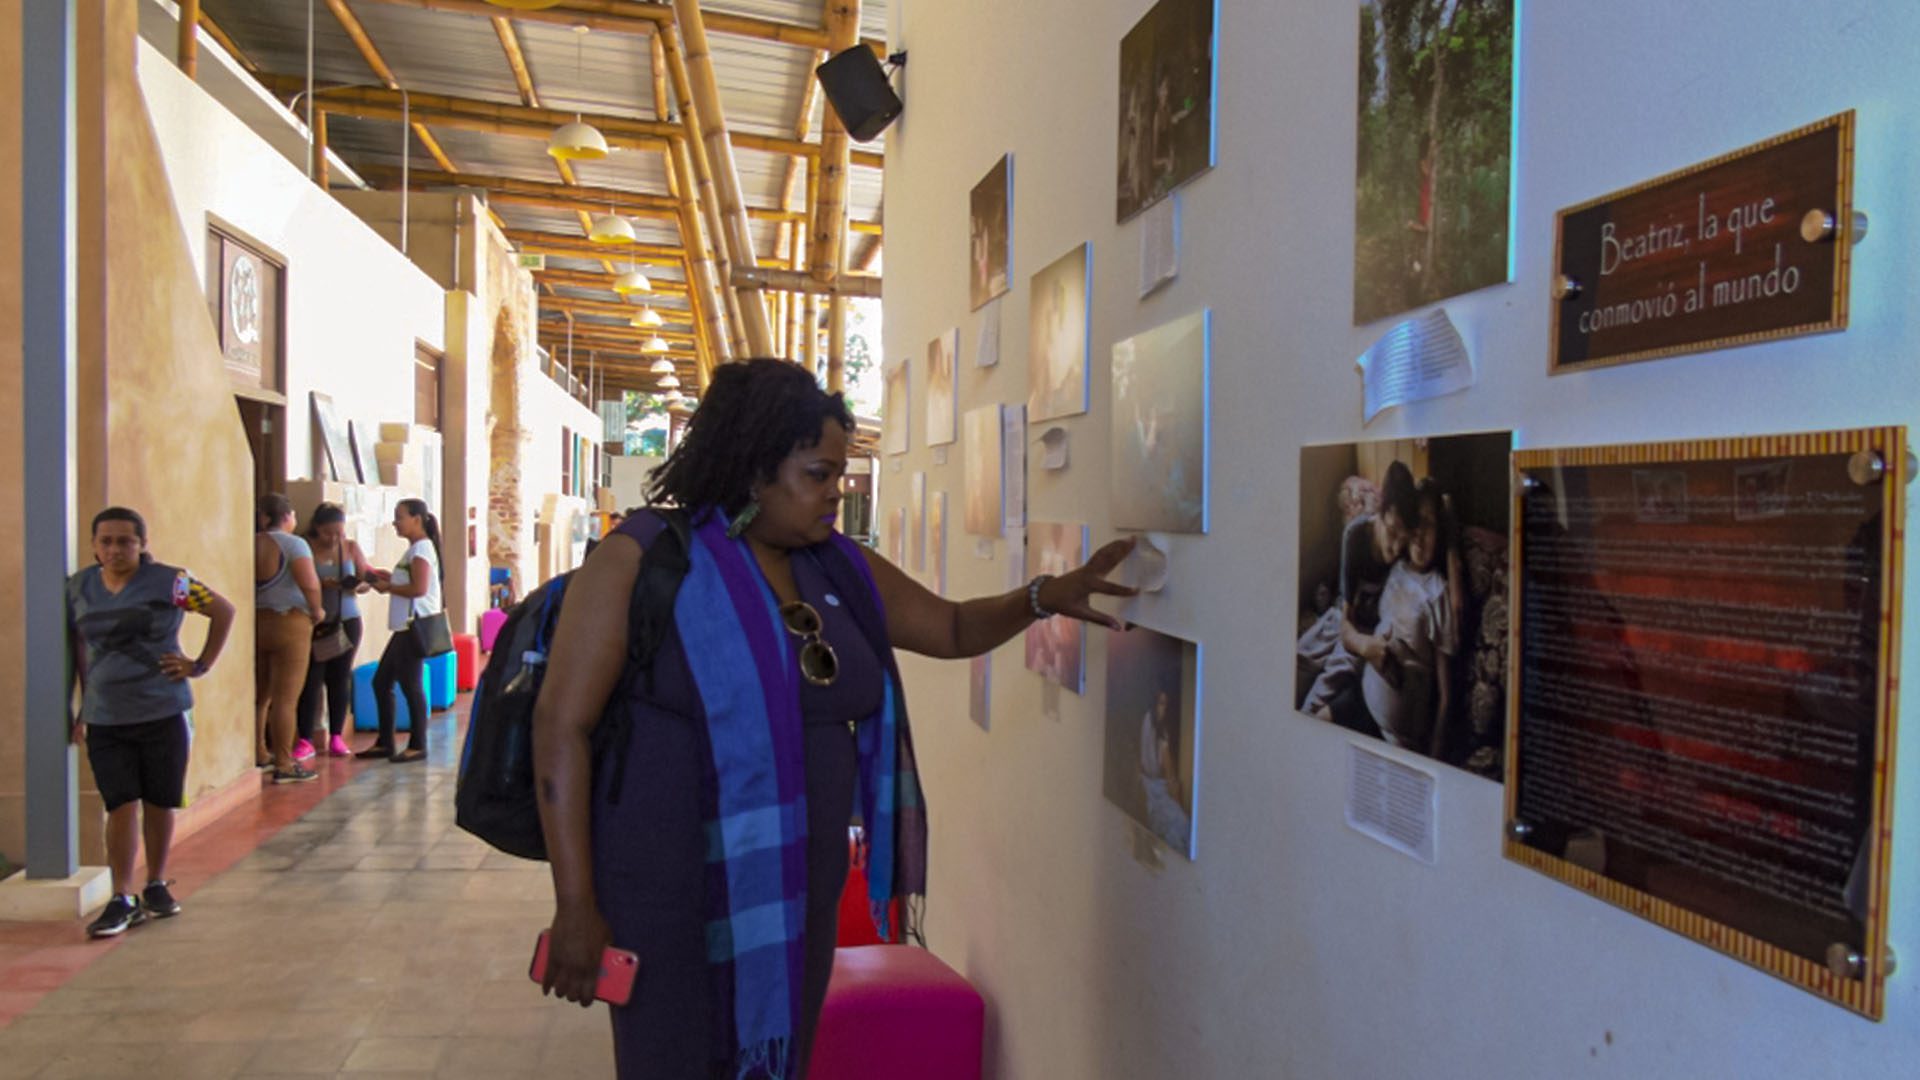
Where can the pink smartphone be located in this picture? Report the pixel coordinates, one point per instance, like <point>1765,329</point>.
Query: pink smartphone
<point>618,967</point>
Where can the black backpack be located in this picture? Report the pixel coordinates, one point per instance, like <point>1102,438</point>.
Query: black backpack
<point>494,798</point>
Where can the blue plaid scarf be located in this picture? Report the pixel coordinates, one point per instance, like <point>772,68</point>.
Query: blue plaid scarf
<point>755,803</point>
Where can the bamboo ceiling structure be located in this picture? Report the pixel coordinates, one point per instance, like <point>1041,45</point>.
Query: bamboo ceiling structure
<point>740,265</point>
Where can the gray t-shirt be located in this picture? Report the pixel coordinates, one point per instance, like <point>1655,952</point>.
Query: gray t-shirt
<point>125,634</point>
<point>281,592</point>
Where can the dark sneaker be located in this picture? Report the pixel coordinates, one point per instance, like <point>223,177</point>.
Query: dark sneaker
<point>158,901</point>
<point>123,913</point>
<point>299,774</point>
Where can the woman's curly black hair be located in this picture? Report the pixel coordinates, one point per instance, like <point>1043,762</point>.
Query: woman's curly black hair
<point>754,413</point>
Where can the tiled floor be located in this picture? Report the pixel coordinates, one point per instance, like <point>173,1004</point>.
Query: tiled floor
<point>364,937</point>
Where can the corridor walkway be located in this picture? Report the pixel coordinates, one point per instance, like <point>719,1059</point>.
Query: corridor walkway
<point>365,937</point>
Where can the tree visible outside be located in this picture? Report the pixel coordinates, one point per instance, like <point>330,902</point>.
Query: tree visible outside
<point>646,424</point>
<point>1435,130</point>
<point>864,349</point>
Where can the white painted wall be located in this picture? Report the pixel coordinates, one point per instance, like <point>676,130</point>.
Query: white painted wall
<point>354,306</point>
<point>545,409</point>
<point>630,478</point>
<point>1294,947</point>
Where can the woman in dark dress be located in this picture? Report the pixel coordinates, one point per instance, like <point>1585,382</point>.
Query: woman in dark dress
<point>718,853</point>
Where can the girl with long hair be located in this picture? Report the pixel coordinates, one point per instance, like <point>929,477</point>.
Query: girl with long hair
<point>413,589</point>
<point>340,564</point>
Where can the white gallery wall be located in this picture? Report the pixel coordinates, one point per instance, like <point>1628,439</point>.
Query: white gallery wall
<point>1293,946</point>
<point>355,306</point>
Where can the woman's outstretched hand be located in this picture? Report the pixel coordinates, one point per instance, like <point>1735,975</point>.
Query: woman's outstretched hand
<point>1070,594</point>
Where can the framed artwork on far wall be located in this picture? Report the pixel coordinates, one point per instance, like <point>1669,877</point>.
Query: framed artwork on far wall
<point>896,408</point>
<point>990,234</point>
<point>1059,325</point>
<point>335,452</point>
<point>943,355</point>
<point>363,452</point>
<point>1166,103</point>
<point>1159,427</point>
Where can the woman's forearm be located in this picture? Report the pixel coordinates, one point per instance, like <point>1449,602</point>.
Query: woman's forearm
<point>563,779</point>
<point>219,625</point>
<point>984,624</point>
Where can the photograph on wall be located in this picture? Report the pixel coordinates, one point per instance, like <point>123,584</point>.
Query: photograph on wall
<point>897,537</point>
<point>1057,647</point>
<point>1158,478</point>
<point>943,400</point>
<point>937,543</point>
<point>1434,168</point>
<point>334,453</point>
<point>1058,326</point>
<point>896,408</point>
<point>1166,103</point>
<point>1707,697</point>
<point>982,463</point>
<point>1152,746</point>
<point>990,233</point>
<point>1403,593</point>
<point>980,691</point>
<point>917,522</point>
<point>1013,456</point>
<point>361,438</point>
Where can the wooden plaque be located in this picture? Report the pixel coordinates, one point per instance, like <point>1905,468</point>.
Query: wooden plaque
<point>1701,719</point>
<point>1711,256</point>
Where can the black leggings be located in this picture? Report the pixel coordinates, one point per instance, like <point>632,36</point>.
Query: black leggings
<point>336,678</point>
<point>402,663</point>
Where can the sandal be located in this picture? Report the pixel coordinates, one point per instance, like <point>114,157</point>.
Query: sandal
<point>410,754</point>
<point>377,750</point>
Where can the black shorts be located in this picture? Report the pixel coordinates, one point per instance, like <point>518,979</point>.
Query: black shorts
<point>144,762</point>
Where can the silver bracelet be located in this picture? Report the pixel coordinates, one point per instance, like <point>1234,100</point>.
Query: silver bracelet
<point>1033,597</point>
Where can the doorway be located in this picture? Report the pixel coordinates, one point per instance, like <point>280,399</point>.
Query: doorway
<point>266,424</point>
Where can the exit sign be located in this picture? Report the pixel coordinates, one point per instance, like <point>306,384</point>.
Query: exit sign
<point>532,262</point>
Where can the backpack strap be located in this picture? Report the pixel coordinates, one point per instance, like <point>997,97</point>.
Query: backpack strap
<point>649,624</point>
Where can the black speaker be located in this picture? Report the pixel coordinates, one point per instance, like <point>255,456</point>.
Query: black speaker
<point>857,89</point>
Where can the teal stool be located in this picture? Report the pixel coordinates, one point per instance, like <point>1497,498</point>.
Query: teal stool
<point>442,675</point>
<point>366,714</point>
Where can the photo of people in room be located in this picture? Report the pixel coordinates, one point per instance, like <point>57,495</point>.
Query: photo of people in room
<point>1057,647</point>
<point>1153,684</point>
<point>990,250</point>
<point>1166,103</point>
<point>1057,338</point>
<point>982,469</point>
<point>942,402</point>
<point>1403,593</point>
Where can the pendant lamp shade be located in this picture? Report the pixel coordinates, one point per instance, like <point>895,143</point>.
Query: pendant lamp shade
<point>673,397</point>
<point>648,317</point>
<point>662,366</point>
<point>632,281</point>
<point>577,141</point>
<point>611,229</point>
<point>670,382</point>
<point>525,5</point>
<point>654,344</point>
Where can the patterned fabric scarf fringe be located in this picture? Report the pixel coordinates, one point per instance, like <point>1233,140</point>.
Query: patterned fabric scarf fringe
<point>753,793</point>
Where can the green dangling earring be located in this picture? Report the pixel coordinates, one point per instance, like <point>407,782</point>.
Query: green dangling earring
<point>743,520</point>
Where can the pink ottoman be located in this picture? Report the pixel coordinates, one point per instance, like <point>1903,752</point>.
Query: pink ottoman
<point>490,624</point>
<point>896,1011</point>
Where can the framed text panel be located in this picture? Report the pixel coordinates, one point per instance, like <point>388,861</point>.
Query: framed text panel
<point>1750,246</point>
<point>1701,723</point>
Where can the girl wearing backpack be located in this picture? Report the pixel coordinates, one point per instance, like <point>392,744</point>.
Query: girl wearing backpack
<point>776,686</point>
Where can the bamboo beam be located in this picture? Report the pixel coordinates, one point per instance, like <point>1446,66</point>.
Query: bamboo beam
<point>516,60</point>
<point>698,182</point>
<point>640,18</point>
<point>579,247</point>
<point>213,30</point>
<point>811,301</point>
<point>527,121</point>
<point>827,255</point>
<point>624,309</point>
<point>799,281</point>
<point>321,169</point>
<point>593,279</point>
<point>187,52</point>
<point>827,244</point>
<point>378,64</point>
<point>705,263</point>
<point>735,232</point>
